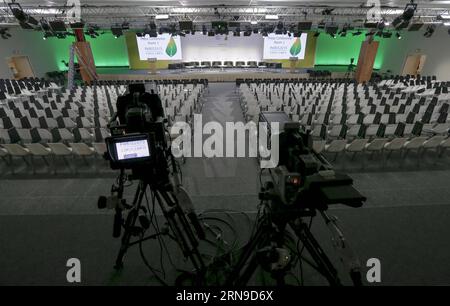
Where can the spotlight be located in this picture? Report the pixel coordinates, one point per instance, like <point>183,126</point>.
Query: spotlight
<point>429,31</point>
<point>409,11</point>
<point>357,33</point>
<point>117,31</point>
<point>327,11</point>
<point>91,31</point>
<point>26,21</point>
<point>398,35</point>
<point>316,34</point>
<point>4,33</point>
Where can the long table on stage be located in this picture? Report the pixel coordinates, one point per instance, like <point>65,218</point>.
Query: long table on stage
<point>212,75</point>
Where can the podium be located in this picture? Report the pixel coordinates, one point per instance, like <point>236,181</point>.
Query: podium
<point>293,63</point>
<point>152,62</point>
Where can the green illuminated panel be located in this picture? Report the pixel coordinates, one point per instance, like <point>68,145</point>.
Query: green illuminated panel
<point>107,50</point>
<point>338,51</point>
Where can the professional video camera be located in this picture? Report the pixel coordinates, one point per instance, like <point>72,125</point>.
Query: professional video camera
<point>302,184</point>
<point>139,143</point>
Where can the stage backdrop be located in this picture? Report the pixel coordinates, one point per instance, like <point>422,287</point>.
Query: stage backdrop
<point>200,47</point>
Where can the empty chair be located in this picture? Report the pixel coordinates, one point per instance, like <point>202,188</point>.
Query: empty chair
<point>38,150</point>
<point>3,154</point>
<point>82,135</point>
<point>357,145</point>
<point>415,143</point>
<point>252,64</point>
<point>41,135</point>
<point>441,128</point>
<point>99,148</point>
<point>395,144</point>
<point>240,64</point>
<point>206,64</point>
<point>444,146</point>
<point>338,131</point>
<point>62,135</point>
<point>376,145</point>
<point>82,150</point>
<point>336,146</point>
<point>47,123</point>
<point>228,64</point>
<point>64,122</point>
<point>83,122</point>
<point>60,150</point>
<point>100,134</point>
<point>433,143</point>
<point>216,64</point>
<point>100,122</point>
<point>16,150</point>
<point>319,145</point>
<point>356,131</point>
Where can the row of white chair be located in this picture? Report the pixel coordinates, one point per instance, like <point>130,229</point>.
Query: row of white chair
<point>403,145</point>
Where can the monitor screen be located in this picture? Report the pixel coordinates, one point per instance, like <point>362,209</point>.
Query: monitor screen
<point>132,149</point>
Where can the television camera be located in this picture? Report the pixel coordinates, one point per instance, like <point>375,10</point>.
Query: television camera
<point>302,185</point>
<point>139,144</point>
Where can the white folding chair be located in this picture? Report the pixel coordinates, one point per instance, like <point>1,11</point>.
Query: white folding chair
<point>16,150</point>
<point>356,146</point>
<point>444,146</point>
<point>395,144</point>
<point>376,145</point>
<point>336,147</point>
<point>413,144</point>
<point>319,145</point>
<point>433,143</point>
<point>60,150</point>
<point>82,150</point>
<point>38,150</point>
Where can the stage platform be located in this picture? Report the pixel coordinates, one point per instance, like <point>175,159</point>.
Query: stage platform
<point>212,75</point>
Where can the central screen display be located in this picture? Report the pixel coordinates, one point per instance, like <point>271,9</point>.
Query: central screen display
<point>132,149</point>
<point>163,47</point>
<point>284,46</point>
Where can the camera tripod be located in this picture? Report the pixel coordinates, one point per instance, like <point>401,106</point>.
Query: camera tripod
<point>269,239</point>
<point>175,216</point>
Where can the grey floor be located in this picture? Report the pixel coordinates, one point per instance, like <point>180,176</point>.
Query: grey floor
<point>47,219</point>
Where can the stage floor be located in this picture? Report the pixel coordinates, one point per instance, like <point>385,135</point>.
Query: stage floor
<point>213,75</point>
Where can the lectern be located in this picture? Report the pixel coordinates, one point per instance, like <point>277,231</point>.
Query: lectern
<point>152,62</point>
<point>293,63</point>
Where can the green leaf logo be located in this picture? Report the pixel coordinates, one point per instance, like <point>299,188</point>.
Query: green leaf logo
<point>296,47</point>
<point>171,48</point>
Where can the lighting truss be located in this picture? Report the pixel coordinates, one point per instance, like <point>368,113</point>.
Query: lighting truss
<point>139,16</point>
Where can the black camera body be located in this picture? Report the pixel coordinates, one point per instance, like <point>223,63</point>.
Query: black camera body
<point>304,179</point>
<point>138,140</point>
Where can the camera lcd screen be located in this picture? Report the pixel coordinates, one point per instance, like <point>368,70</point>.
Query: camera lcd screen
<point>132,149</point>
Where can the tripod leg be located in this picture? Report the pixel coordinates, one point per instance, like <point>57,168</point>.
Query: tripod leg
<point>130,222</point>
<point>181,229</point>
<point>236,278</point>
<point>318,255</point>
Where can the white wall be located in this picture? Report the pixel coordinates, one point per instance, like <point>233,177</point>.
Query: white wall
<point>200,47</point>
<point>437,49</point>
